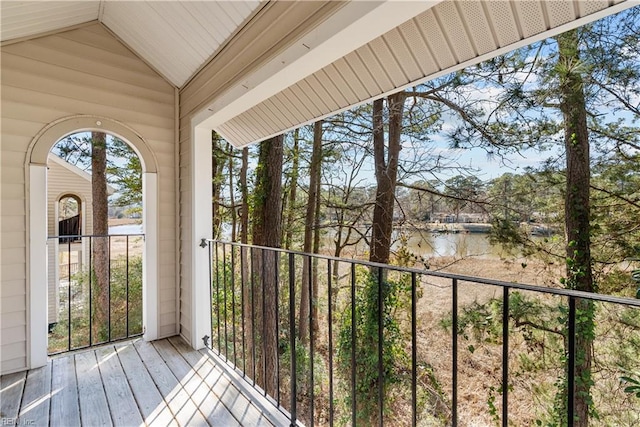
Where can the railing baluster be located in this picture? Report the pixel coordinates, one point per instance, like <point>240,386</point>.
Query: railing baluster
<point>329,324</point>
<point>90,292</point>
<point>571,363</point>
<point>242,308</point>
<point>233,305</point>
<point>109,286</point>
<point>276,269</point>
<point>454,351</point>
<point>263,354</point>
<point>353,345</point>
<point>224,300</point>
<point>253,317</point>
<point>292,339</point>
<point>311,343</point>
<point>505,356</point>
<point>127,280</point>
<point>69,293</point>
<point>414,351</point>
<point>219,335</point>
<point>211,267</point>
<point>380,349</point>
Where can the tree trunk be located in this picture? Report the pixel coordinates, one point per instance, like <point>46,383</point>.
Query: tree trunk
<point>316,249</point>
<point>244,190</point>
<point>267,231</point>
<point>217,167</point>
<point>244,262</point>
<point>577,214</point>
<point>232,197</point>
<point>314,178</point>
<point>386,171</point>
<point>293,187</point>
<point>100,245</point>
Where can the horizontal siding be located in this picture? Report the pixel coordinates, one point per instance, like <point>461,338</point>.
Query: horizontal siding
<point>67,105</point>
<point>82,71</point>
<point>11,320</point>
<point>91,67</point>
<point>13,356</point>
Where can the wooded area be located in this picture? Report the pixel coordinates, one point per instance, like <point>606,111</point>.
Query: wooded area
<point>367,175</point>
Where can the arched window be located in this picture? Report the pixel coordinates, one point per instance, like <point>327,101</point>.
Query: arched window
<point>69,218</point>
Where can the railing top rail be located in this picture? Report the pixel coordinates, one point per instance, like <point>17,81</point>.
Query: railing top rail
<point>459,277</point>
<point>64,236</point>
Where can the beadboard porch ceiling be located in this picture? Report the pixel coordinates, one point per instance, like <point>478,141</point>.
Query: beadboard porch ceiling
<point>174,37</point>
<point>334,55</point>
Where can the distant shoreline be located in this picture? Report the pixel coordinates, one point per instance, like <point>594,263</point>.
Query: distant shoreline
<point>475,227</point>
<point>114,222</point>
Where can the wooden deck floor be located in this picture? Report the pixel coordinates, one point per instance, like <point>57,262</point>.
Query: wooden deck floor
<point>135,383</point>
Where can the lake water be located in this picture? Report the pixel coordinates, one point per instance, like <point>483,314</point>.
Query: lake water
<point>460,245</point>
<point>431,244</point>
<point>126,229</point>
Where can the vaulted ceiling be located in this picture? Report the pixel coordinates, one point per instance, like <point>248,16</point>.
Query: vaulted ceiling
<point>176,38</point>
<point>337,54</point>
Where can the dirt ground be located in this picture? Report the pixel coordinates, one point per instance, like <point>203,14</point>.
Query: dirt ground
<point>480,370</point>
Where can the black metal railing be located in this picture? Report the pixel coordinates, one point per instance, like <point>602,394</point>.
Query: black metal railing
<point>383,344</point>
<point>96,282</point>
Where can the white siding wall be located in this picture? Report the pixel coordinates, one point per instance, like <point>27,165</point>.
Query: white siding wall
<point>276,26</point>
<point>83,71</point>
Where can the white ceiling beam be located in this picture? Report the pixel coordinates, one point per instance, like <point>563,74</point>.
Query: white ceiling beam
<point>352,26</point>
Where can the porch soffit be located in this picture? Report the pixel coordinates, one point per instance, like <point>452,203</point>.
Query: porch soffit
<point>448,36</point>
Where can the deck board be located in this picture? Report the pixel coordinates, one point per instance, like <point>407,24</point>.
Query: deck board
<point>215,412</point>
<point>94,409</point>
<point>184,409</point>
<point>35,400</point>
<point>164,383</point>
<point>122,404</point>
<point>153,408</point>
<point>65,410</point>
<point>11,395</point>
